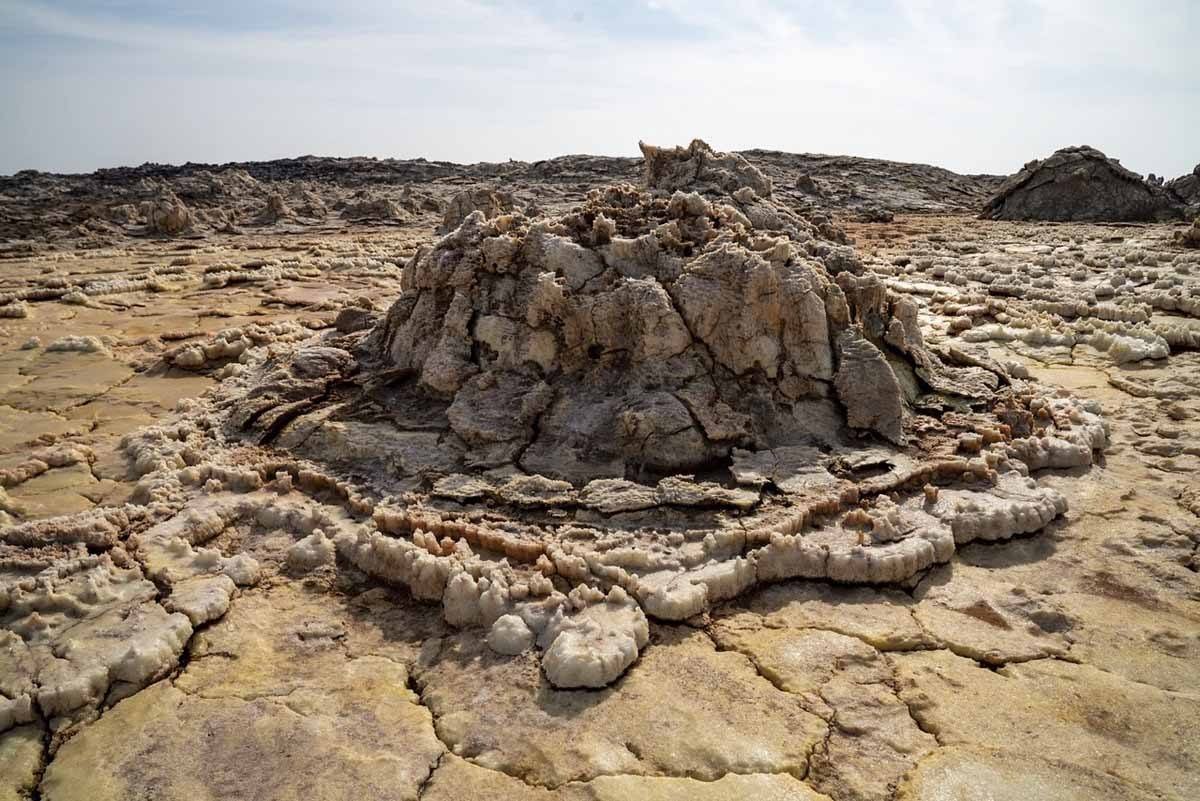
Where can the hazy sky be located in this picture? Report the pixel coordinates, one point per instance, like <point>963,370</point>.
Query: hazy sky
<point>973,86</point>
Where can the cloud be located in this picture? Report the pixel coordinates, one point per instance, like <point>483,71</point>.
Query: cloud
<point>969,86</point>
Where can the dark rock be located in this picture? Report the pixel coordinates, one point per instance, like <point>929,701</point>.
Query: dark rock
<point>874,214</point>
<point>354,319</point>
<point>1080,184</point>
<point>370,207</point>
<point>809,186</point>
<point>1187,189</point>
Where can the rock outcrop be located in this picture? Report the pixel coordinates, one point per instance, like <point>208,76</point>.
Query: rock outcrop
<point>646,332</point>
<point>366,207</point>
<point>1079,184</point>
<point>698,168</point>
<point>1187,189</point>
<point>490,202</point>
<point>167,215</point>
<point>275,210</point>
<point>103,208</point>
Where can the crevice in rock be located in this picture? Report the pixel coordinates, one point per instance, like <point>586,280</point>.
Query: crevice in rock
<point>433,769</point>
<point>98,395</point>
<point>758,670</point>
<point>923,725</point>
<point>47,757</point>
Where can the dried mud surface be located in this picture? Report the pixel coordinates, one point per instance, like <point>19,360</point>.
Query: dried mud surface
<point>236,563</point>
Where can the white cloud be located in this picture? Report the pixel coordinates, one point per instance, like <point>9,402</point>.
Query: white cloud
<point>971,87</point>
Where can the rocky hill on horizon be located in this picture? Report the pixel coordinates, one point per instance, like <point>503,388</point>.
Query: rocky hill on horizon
<point>105,205</point>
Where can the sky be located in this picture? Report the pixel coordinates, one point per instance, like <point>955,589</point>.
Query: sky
<point>971,86</point>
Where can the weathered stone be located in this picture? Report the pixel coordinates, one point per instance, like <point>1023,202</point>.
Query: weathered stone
<point>1079,183</point>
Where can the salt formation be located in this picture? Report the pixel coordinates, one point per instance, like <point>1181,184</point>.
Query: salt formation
<point>490,202</point>
<point>1126,302</point>
<point>642,407</point>
<point>586,354</point>
<point>1079,183</point>
<point>83,630</point>
<point>80,344</point>
<point>167,215</point>
<point>318,468</point>
<point>276,209</point>
<point>564,426</point>
<point>14,310</point>
<point>698,167</point>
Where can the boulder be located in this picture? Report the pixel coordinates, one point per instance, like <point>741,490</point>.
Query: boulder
<point>1187,189</point>
<point>166,214</point>
<point>490,202</point>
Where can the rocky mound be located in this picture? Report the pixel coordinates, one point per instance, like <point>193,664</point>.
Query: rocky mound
<point>644,333</point>
<point>1078,184</point>
<point>276,209</point>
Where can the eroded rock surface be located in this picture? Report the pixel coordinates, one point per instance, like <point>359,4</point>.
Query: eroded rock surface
<point>638,409</point>
<point>1187,188</point>
<point>734,722</point>
<point>892,560</point>
<point>1080,184</point>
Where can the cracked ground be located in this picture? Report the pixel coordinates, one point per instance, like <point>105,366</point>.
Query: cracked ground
<point>1060,665</point>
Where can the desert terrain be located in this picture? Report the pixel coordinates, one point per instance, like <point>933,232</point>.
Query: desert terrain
<point>691,476</point>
